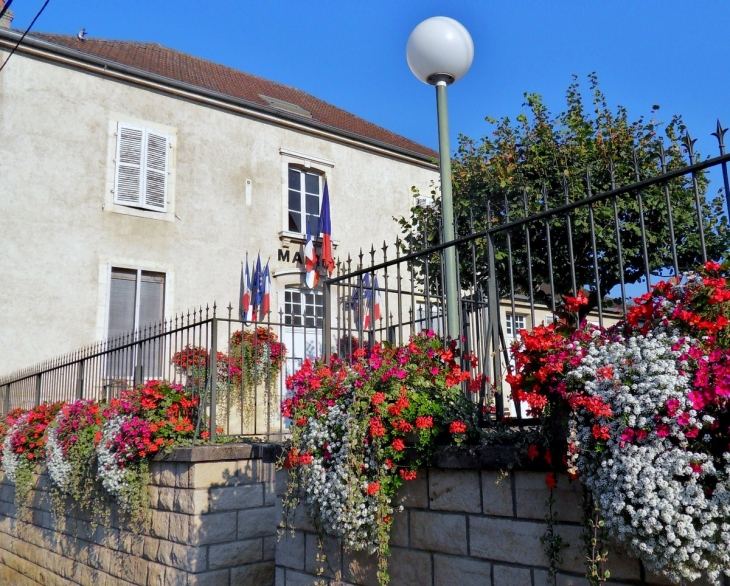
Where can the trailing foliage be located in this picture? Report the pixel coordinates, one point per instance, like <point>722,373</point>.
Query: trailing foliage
<point>352,425</point>
<point>94,449</point>
<point>647,410</point>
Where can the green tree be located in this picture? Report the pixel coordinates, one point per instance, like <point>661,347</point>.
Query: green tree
<point>544,161</point>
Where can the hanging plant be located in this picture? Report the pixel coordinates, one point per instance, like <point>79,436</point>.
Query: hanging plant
<point>71,443</point>
<point>351,425</point>
<point>140,424</point>
<point>648,420</point>
<point>260,356</point>
<point>23,447</point>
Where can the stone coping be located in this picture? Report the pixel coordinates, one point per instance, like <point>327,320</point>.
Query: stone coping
<point>268,452</point>
<point>489,457</point>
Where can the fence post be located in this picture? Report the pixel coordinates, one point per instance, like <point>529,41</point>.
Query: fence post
<point>213,377</point>
<point>80,381</point>
<point>7,400</point>
<point>494,324</point>
<point>38,380</point>
<point>327,327</point>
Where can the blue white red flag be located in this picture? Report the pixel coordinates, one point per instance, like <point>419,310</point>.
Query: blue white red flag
<point>258,285</point>
<point>368,302</point>
<point>376,301</point>
<point>325,232</point>
<point>311,275</point>
<point>246,308</point>
<point>266,303</point>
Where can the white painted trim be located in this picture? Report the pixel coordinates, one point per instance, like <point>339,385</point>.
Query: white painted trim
<point>104,287</point>
<point>305,158</point>
<point>108,204</point>
<point>285,272</point>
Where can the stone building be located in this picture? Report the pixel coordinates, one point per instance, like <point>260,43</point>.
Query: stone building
<point>134,178</point>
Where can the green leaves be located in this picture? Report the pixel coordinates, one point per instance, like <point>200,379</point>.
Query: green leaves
<point>524,166</point>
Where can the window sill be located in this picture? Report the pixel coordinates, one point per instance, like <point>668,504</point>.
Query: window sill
<point>168,216</point>
<point>298,238</point>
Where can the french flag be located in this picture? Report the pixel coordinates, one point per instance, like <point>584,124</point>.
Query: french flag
<point>266,302</point>
<point>325,232</point>
<point>376,302</point>
<point>311,277</point>
<point>246,309</point>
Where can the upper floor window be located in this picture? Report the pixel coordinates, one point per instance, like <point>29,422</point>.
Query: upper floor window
<point>140,178</point>
<point>516,324</point>
<point>305,200</point>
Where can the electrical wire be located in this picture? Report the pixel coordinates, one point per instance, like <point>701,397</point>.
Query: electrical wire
<point>25,33</point>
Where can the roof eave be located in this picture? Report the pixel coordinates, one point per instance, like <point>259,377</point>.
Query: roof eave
<point>33,46</point>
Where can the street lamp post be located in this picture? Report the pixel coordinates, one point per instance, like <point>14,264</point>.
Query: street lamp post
<point>439,52</point>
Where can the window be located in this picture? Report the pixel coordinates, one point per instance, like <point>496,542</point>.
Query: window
<point>136,302</point>
<point>140,177</point>
<point>303,308</point>
<point>519,324</point>
<point>305,198</point>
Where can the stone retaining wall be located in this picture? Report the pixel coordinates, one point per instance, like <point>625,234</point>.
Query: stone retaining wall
<point>461,526</point>
<point>213,523</point>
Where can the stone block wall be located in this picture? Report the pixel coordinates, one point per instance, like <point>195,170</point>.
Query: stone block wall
<point>213,523</point>
<point>461,526</point>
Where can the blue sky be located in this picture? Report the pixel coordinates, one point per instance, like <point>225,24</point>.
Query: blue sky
<point>352,53</point>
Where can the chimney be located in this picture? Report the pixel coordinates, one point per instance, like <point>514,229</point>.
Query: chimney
<point>7,17</point>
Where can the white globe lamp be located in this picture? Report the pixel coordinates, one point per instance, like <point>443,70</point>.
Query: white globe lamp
<point>439,52</point>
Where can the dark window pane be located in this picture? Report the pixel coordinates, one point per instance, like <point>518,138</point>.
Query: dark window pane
<point>311,183</point>
<point>295,201</point>
<point>313,223</point>
<point>295,179</point>
<point>312,204</point>
<point>295,222</point>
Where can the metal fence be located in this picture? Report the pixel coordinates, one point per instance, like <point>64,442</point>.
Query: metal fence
<point>534,248</point>
<point>236,370</point>
<point>521,253</point>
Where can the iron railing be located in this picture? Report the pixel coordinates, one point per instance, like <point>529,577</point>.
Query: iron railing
<point>239,390</point>
<point>514,271</point>
<point>611,245</point>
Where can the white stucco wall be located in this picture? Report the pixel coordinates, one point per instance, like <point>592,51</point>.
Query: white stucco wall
<point>59,235</point>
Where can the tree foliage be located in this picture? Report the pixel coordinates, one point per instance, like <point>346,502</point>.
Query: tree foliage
<point>542,161</point>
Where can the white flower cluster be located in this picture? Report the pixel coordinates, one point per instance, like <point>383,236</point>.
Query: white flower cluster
<point>113,476</point>
<point>335,487</point>
<point>11,460</point>
<point>59,467</point>
<point>648,492</point>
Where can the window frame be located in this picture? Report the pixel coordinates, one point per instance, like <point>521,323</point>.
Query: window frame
<point>304,292</point>
<point>303,193</point>
<point>137,289</point>
<point>511,324</point>
<point>110,205</point>
<point>311,163</point>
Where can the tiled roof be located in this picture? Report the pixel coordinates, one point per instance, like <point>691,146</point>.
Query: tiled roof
<point>156,59</point>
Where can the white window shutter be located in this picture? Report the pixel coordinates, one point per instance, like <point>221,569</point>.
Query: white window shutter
<point>128,178</point>
<point>155,178</point>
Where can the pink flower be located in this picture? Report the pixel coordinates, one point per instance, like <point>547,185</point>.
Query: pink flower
<point>692,433</point>
<point>672,407</point>
<point>628,435</point>
<point>662,430</point>
<point>683,419</point>
<point>696,467</point>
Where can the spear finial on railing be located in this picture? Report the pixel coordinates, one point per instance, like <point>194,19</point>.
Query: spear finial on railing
<point>719,134</point>
<point>689,144</point>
